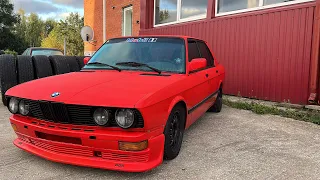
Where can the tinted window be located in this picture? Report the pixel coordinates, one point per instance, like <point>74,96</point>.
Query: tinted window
<point>205,53</point>
<point>46,52</point>
<point>193,50</point>
<point>165,54</point>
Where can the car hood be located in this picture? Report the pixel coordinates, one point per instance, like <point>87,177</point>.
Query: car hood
<point>97,88</point>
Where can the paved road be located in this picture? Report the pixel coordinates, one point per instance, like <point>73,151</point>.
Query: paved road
<point>234,144</point>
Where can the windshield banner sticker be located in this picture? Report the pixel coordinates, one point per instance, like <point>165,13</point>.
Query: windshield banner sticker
<point>142,40</point>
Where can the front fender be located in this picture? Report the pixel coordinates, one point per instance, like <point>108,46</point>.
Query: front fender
<point>175,101</point>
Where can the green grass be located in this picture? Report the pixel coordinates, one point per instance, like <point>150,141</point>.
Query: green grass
<point>302,115</point>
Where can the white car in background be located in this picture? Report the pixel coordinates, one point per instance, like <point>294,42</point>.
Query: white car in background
<point>34,51</point>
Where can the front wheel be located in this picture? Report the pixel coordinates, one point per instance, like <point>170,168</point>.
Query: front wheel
<point>174,132</point>
<point>217,106</point>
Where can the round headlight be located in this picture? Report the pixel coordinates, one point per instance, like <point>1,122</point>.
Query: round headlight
<point>24,108</point>
<point>13,105</point>
<point>101,116</point>
<point>125,118</point>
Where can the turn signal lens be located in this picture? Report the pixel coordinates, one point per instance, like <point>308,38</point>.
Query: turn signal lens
<point>14,127</point>
<point>129,146</point>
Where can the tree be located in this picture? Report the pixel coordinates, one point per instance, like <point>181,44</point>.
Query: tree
<point>34,30</point>
<point>7,21</point>
<point>48,26</point>
<point>70,29</point>
<point>7,17</point>
<point>54,39</point>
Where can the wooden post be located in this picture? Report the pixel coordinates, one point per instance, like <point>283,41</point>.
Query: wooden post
<point>314,66</point>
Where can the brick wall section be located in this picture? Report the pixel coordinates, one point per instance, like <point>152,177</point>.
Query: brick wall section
<point>93,16</point>
<point>115,16</point>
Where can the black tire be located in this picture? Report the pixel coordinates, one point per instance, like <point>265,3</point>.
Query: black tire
<point>8,74</point>
<point>4,100</point>
<point>174,132</point>
<point>73,63</point>
<point>59,65</point>
<point>42,66</point>
<point>25,69</point>
<point>80,61</point>
<point>217,106</point>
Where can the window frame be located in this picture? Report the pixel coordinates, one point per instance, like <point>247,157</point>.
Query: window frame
<point>125,9</point>
<point>208,49</point>
<point>179,20</point>
<point>260,7</point>
<point>197,41</point>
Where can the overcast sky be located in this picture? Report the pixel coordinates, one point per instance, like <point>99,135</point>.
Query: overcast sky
<point>56,9</point>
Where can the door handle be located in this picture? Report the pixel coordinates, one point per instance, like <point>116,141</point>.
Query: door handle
<point>207,75</point>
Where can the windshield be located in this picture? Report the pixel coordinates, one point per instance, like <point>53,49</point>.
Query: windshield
<point>164,54</point>
<point>46,52</point>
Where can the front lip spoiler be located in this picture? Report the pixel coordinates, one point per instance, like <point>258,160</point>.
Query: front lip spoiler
<point>95,162</point>
<point>84,155</point>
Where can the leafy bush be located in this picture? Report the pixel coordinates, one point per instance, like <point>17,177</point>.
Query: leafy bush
<point>8,51</point>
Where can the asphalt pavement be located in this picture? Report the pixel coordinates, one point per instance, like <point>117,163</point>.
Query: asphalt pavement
<point>234,144</point>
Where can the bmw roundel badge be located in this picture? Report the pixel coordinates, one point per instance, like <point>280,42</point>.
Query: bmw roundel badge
<point>56,94</point>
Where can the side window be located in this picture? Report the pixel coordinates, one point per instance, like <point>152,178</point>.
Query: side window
<point>193,50</point>
<point>205,53</point>
<point>25,52</point>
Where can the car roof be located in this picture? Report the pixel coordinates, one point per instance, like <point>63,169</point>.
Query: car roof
<point>41,48</point>
<point>165,36</point>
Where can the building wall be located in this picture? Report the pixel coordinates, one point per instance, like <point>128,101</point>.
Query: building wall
<point>93,17</point>
<point>266,53</point>
<point>115,17</point>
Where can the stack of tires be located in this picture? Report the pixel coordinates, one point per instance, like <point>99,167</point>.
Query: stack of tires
<point>15,70</point>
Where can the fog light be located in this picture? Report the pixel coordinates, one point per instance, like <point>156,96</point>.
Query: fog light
<point>130,146</point>
<point>14,127</point>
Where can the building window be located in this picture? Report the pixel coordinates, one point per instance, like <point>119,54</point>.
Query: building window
<point>175,11</point>
<point>127,21</point>
<point>225,7</point>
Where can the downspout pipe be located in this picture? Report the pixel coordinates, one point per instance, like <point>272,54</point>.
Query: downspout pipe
<point>104,21</point>
<point>314,66</point>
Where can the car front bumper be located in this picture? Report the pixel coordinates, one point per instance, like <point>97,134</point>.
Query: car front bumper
<point>98,147</point>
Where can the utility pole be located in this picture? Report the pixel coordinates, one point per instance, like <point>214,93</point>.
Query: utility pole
<point>65,46</point>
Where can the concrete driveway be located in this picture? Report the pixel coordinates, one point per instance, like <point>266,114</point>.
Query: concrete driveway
<point>234,144</point>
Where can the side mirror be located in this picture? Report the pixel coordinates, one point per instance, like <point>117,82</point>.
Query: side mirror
<point>197,64</point>
<point>86,60</point>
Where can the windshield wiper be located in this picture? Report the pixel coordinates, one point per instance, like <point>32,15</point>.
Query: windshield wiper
<point>136,64</point>
<point>103,64</point>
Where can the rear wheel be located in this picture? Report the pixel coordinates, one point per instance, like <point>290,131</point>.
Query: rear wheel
<point>217,106</point>
<point>174,132</point>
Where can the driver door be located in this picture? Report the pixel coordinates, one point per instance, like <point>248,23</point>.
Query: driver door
<point>199,86</point>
